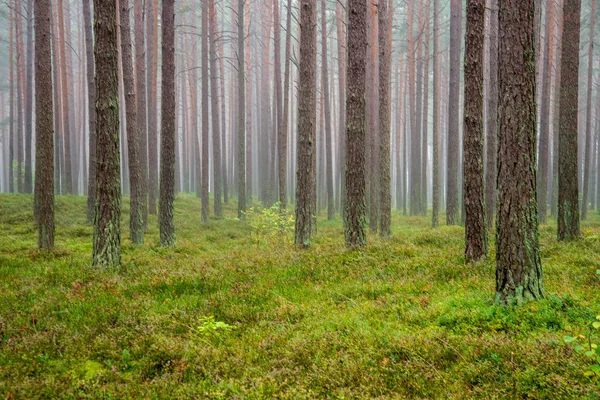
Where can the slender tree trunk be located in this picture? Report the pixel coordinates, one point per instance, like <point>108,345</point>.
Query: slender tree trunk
<point>216,130</point>
<point>136,199</point>
<point>327,114</point>
<point>492,117</point>
<point>568,202</point>
<point>241,166</point>
<point>340,12</point>
<point>91,92</point>
<point>283,131</point>
<point>385,57</point>
<point>167,134</point>
<point>20,73</point>
<point>588,117</point>
<point>65,101</point>
<point>152,79</point>
<point>355,231</point>
<point>306,123</point>
<point>28,185</point>
<point>453,114</point>
<point>107,230</point>
<point>424,136</point>
<point>556,108</point>
<point>44,126</point>
<point>473,190</point>
<point>436,116</point>
<point>205,57</point>
<point>11,102</point>
<point>518,264</point>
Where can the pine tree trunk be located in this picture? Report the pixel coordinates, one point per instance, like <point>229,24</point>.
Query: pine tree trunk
<point>44,126</point>
<point>241,156</point>
<point>492,118</point>
<point>28,185</point>
<point>89,51</point>
<point>327,114</point>
<point>588,117</point>
<point>473,189</point>
<point>136,199</point>
<point>68,174</point>
<point>167,125</point>
<point>11,103</point>
<point>436,116</point>
<point>306,123</point>
<point>215,123</point>
<point>355,232</point>
<point>453,114</point>
<point>152,79</point>
<point>20,73</point>
<point>568,201</point>
<point>340,12</point>
<point>385,56</point>
<point>518,264</point>
<point>556,108</point>
<point>205,57</point>
<point>424,136</point>
<point>107,231</point>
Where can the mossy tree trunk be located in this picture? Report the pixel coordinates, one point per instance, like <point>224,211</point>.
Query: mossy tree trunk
<point>518,264</point>
<point>44,126</point>
<point>473,186</point>
<point>568,192</point>
<point>355,227</point>
<point>167,133</point>
<point>107,230</point>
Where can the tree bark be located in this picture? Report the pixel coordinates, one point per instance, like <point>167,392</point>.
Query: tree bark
<point>216,130</point>
<point>91,88</point>
<point>107,231</point>
<point>167,133</point>
<point>588,116</point>
<point>11,103</point>
<point>436,116</point>
<point>152,79</point>
<point>473,189</point>
<point>44,126</point>
<point>28,185</point>
<point>518,264</point>
<point>306,123</point>
<point>385,47</point>
<point>492,118</point>
<point>136,199</point>
<point>68,174</point>
<point>568,201</point>
<point>327,114</point>
<point>355,231</point>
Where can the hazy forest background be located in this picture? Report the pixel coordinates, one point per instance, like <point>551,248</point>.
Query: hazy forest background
<point>299,199</point>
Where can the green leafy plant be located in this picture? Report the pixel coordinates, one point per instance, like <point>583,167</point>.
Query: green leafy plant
<point>209,327</point>
<point>270,225</point>
<point>590,348</point>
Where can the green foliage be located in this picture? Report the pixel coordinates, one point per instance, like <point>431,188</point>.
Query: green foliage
<point>270,226</point>
<point>403,318</point>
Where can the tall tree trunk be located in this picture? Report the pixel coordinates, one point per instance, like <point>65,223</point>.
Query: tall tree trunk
<point>205,57</point>
<point>556,108</point>
<point>355,231</point>
<point>167,125</point>
<point>68,174</point>
<point>44,127</point>
<point>568,201</point>
<point>140,97</point>
<point>91,92</point>
<point>327,114</point>
<point>385,56</point>
<point>306,123</point>
<point>152,79</point>
<point>28,185</point>
<point>340,12</point>
<point>283,131</point>
<point>11,103</point>
<point>436,116</point>
<point>20,73</point>
<point>412,108</point>
<point>518,264</point>
<point>492,117</point>
<point>453,114</point>
<point>136,199</point>
<point>107,231</point>
<point>473,189</point>
<point>56,100</point>
<point>588,116</point>
<point>216,130</point>
<point>425,129</point>
<point>241,165</point>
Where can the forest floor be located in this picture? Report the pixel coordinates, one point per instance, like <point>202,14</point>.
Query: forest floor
<point>220,316</point>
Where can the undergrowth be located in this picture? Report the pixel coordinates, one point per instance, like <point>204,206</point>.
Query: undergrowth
<point>222,316</point>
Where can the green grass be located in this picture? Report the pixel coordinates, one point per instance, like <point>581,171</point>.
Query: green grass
<point>406,318</point>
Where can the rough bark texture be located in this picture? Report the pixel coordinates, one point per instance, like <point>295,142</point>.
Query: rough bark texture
<point>436,116</point>
<point>91,87</point>
<point>385,57</point>
<point>107,230</point>
<point>20,72</point>
<point>307,118</point>
<point>152,78</point>
<point>340,13</point>
<point>140,90</point>
<point>556,109</point>
<point>492,118</point>
<point>44,126</point>
<point>136,199</point>
<point>414,166</point>
<point>241,164</point>
<point>28,183</point>
<point>588,116</point>
<point>214,102</point>
<point>68,181</point>
<point>205,57</point>
<point>355,228</point>
<point>518,264</point>
<point>167,131</point>
<point>425,126</point>
<point>473,186</point>
<point>568,201</point>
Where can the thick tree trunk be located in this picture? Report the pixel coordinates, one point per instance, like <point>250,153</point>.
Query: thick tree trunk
<point>568,201</point>
<point>136,199</point>
<point>306,123</point>
<point>473,189</point>
<point>107,231</point>
<point>167,125</point>
<point>518,264</point>
<point>355,232</point>
<point>492,118</point>
<point>385,57</point>
<point>44,126</point>
<point>588,116</point>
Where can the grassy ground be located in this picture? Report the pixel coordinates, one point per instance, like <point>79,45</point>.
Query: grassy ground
<point>403,319</point>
